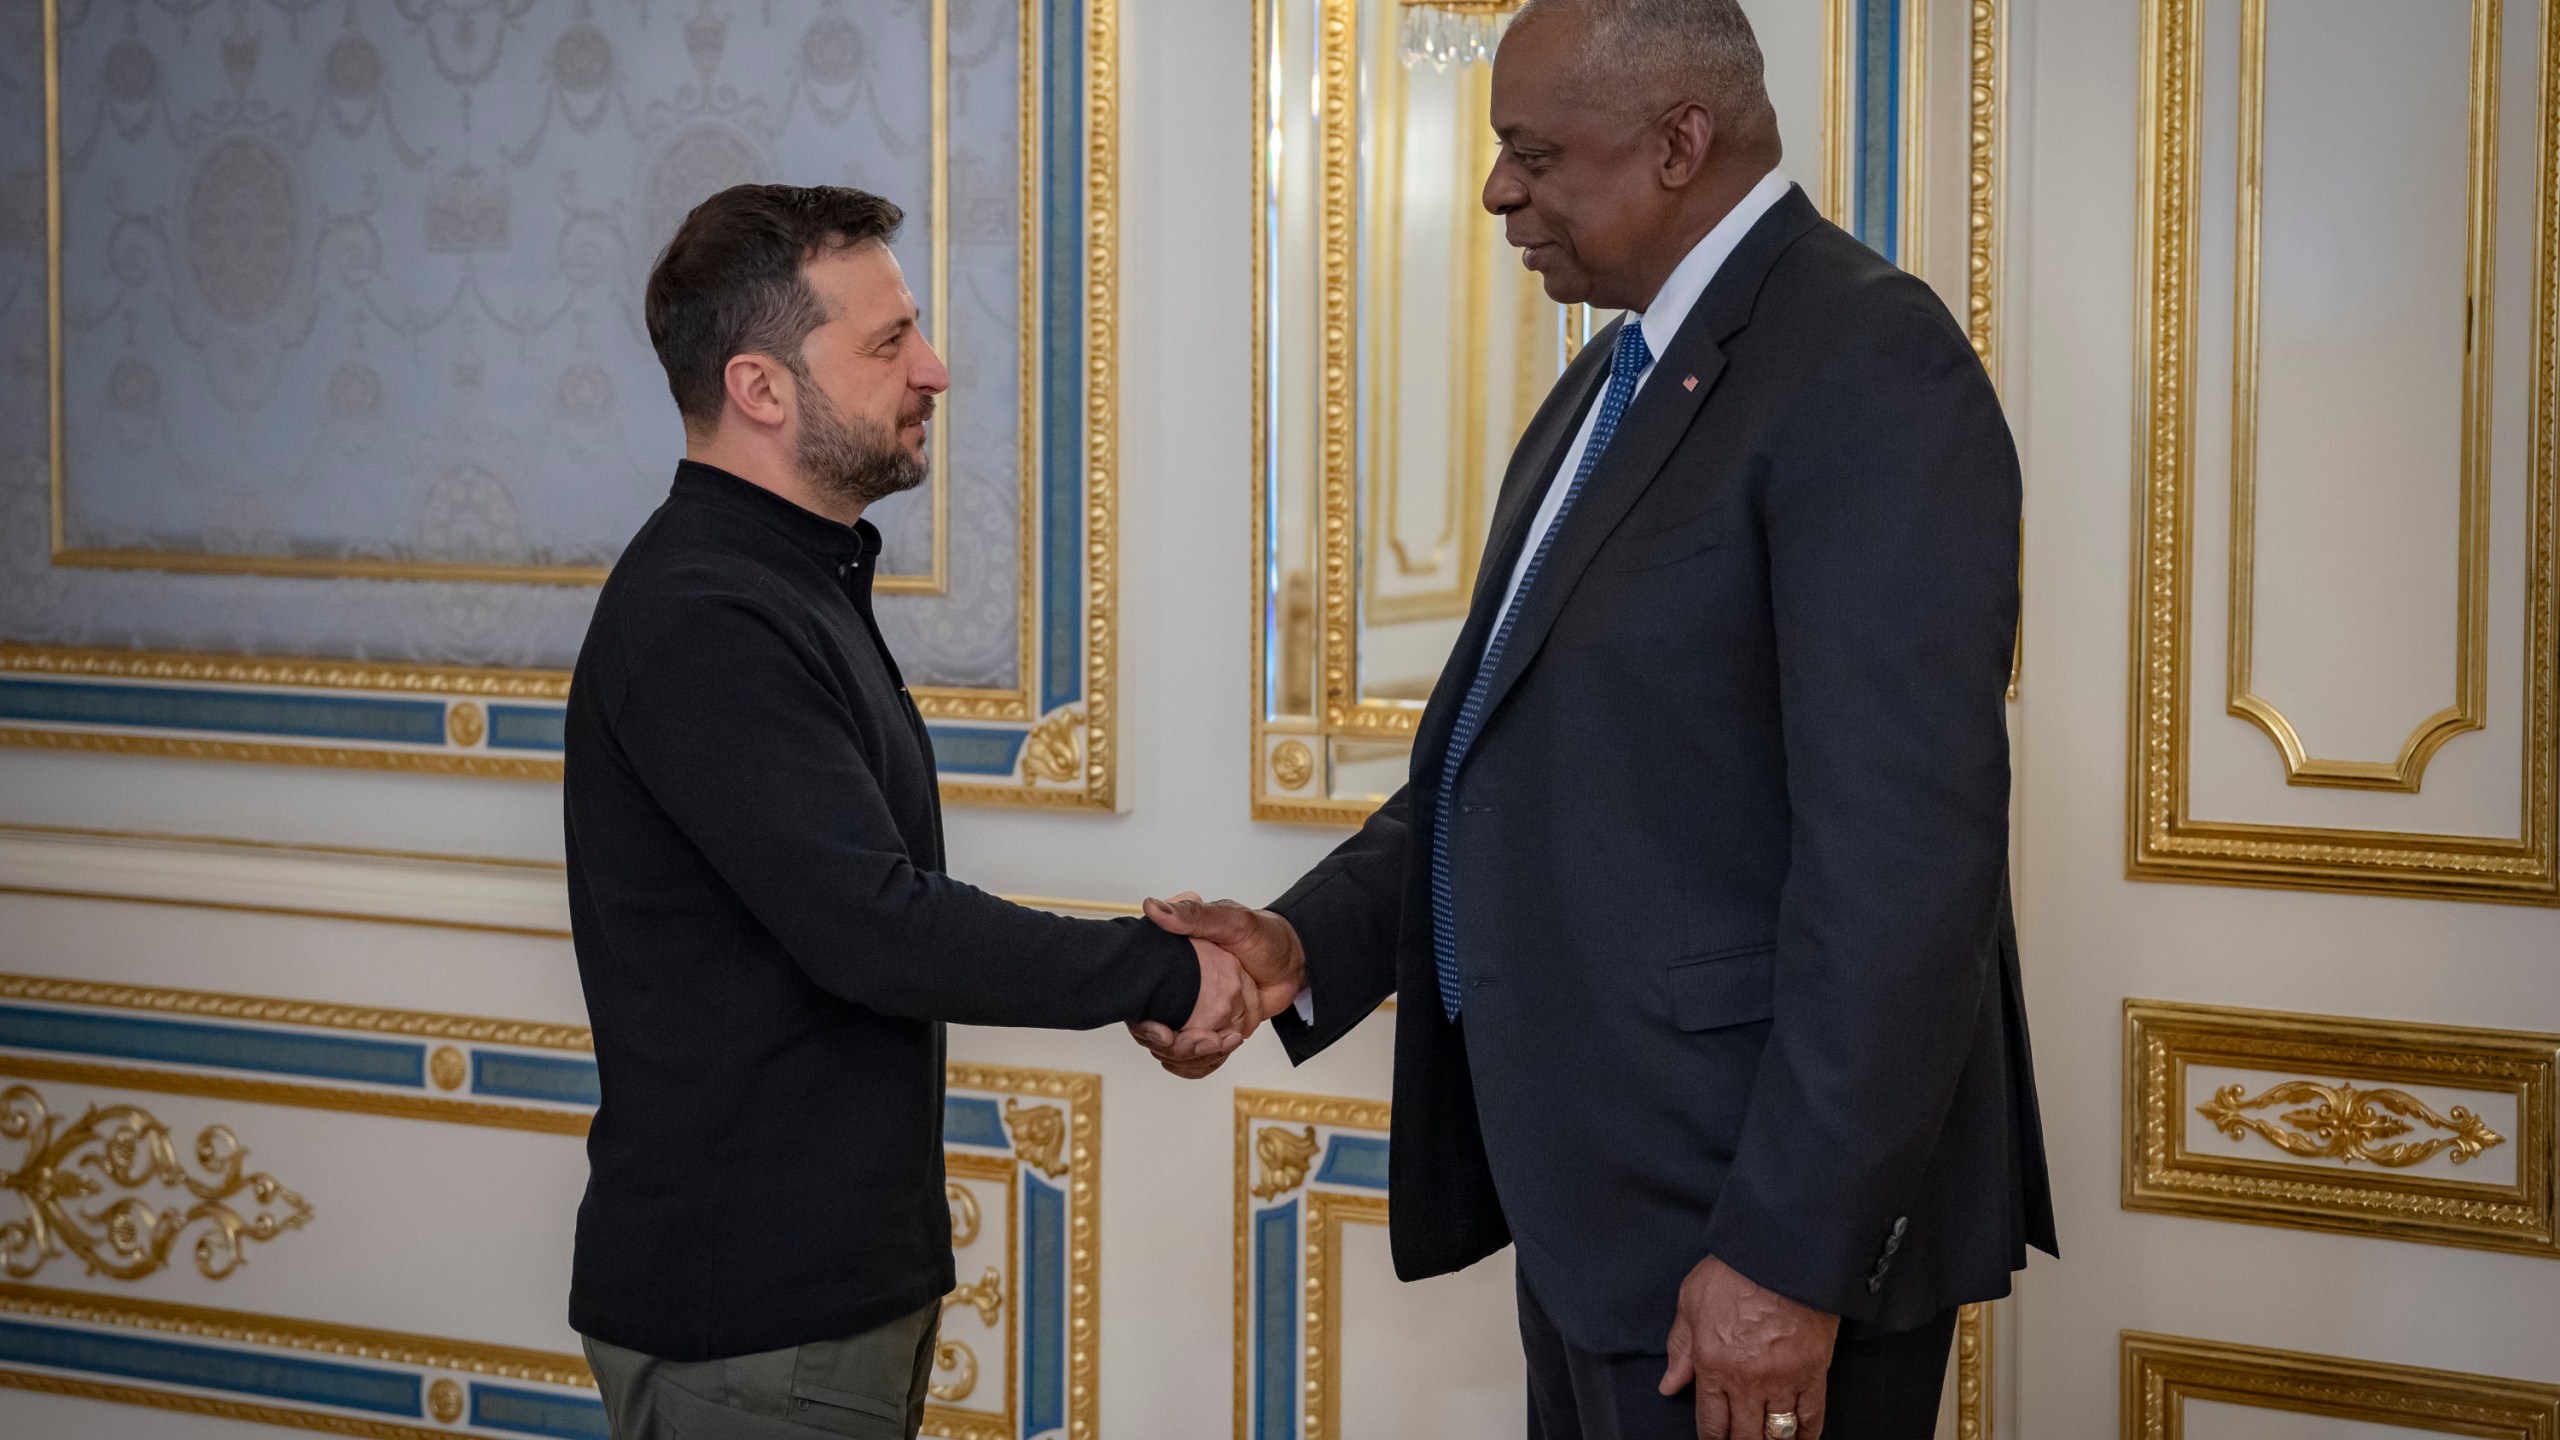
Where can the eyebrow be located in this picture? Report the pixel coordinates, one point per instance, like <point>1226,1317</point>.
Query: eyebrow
<point>893,329</point>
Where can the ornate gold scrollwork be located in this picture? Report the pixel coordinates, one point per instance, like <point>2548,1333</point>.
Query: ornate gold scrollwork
<point>962,1362</point>
<point>2345,1123</point>
<point>964,1213</point>
<point>1039,1136</point>
<point>127,1148</point>
<point>1051,752</point>
<point>1285,1158</point>
<point>986,1297</point>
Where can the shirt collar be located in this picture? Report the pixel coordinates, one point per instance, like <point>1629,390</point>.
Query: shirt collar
<point>1688,280</point>
<point>858,542</point>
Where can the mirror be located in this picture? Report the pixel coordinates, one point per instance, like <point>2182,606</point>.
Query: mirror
<point>1400,347</point>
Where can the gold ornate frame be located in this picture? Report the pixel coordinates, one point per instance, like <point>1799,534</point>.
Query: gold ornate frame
<point>2358,1140</point>
<point>2165,841</point>
<point>1071,1156</point>
<point>1289,758</point>
<point>2163,1372</point>
<point>2469,710</point>
<point>1068,757</point>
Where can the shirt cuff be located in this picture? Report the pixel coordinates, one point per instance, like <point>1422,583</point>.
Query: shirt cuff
<point>1306,1007</point>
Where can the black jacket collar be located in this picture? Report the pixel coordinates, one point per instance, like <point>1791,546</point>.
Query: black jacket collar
<point>807,530</point>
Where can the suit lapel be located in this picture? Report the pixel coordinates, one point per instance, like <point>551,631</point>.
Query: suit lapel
<point>1533,469</point>
<point>1647,434</point>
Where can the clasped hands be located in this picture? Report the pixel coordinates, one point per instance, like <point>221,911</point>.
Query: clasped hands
<point>1251,968</point>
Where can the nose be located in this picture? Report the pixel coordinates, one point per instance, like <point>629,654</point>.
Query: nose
<point>930,376</point>
<point>1503,192</point>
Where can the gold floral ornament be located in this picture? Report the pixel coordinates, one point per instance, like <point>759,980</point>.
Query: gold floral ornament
<point>125,1148</point>
<point>1050,752</point>
<point>1039,1136</point>
<point>2345,1123</point>
<point>1285,1158</point>
<point>986,1297</point>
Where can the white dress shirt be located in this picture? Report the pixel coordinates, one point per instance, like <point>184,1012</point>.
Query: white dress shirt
<point>1661,321</point>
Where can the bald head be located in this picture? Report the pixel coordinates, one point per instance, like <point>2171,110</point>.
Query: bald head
<point>1643,57</point>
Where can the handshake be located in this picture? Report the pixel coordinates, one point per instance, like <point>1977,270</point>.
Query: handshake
<point>1251,968</point>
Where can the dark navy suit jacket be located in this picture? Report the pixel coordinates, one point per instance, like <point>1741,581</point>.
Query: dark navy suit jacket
<point>1730,848</point>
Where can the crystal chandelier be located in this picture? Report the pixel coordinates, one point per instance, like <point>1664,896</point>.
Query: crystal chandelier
<point>1447,32</point>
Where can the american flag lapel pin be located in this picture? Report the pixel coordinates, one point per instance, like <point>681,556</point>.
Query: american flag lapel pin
<point>1690,383</point>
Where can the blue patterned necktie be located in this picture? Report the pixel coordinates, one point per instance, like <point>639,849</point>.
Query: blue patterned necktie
<point>1626,365</point>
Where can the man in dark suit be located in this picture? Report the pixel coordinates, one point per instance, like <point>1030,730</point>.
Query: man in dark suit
<point>1696,897</point>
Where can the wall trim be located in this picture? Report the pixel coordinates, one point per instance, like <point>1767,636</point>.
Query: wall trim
<point>495,894</point>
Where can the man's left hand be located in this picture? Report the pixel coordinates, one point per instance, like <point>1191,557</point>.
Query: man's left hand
<point>1751,1352</point>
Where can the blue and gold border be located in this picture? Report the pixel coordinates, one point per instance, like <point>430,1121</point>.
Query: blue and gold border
<point>1306,1165</point>
<point>1053,743</point>
<point>336,1379</point>
<point>1022,1151</point>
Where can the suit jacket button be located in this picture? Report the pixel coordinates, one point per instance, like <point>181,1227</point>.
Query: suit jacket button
<point>1900,1224</point>
<point>1875,1284</point>
<point>1892,1243</point>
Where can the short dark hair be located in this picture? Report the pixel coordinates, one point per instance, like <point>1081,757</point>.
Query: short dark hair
<point>730,281</point>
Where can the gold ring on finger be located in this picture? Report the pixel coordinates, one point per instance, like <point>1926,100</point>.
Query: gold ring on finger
<point>1781,1425</point>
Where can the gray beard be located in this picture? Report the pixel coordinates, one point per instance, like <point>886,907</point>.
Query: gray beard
<point>852,462</point>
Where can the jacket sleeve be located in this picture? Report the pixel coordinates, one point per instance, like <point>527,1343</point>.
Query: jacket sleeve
<point>739,735</point>
<point>1347,912</point>
<point>1891,518</point>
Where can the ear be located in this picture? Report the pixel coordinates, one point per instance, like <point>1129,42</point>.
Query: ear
<point>1688,135</point>
<point>759,389</point>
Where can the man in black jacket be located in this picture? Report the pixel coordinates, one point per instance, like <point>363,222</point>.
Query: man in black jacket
<point>1695,900</point>
<point>767,940</point>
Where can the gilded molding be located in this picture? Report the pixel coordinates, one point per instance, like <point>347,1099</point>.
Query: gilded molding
<point>962,1362</point>
<point>2470,707</point>
<point>1974,1404</point>
<point>2164,841</point>
<point>414,762</point>
<point>213,1406</point>
<point>2313,1183</point>
<point>1083,1172</point>
<point>422,1024</point>
<point>395,1104</point>
<point>1318,1404</point>
<point>1327,1212</point>
<point>377,675</point>
<point>130,1149</point>
<point>1986,117</point>
<point>1039,1133</point>
<point>353,1342</point>
<point>1049,753</point>
<point>1285,1158</point>
<point>2161,1373</point>
<point>2343,1122</point>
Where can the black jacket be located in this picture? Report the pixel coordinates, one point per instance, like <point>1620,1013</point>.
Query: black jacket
<point>1730,847</point>
<point>769,946</point>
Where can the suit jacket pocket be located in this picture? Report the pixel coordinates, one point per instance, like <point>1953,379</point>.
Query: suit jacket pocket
<point>1730,987</point>
<point>1667,545</point>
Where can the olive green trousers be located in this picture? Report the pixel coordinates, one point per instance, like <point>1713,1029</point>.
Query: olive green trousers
<point>869,1386</point>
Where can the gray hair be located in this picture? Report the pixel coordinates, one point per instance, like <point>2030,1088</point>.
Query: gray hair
<point>1655,54</point>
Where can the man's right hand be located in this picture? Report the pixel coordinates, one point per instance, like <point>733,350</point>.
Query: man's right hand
<point>1272,962</point>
